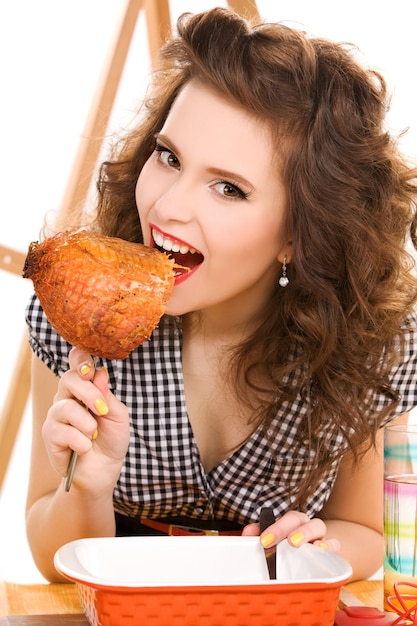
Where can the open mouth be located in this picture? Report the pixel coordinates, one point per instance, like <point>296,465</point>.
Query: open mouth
<point>183,254</point>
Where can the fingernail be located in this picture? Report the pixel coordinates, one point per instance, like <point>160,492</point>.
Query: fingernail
<point>85,368</point>
<point>267,540</point>
<point>95,434</point>
<point>323,545</point>
<point>296,538</point>
<point>104,368</point>
<point>101,406</point>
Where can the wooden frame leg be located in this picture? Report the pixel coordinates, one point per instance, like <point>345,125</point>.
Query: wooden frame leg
<point>89,147</point>
<point>15,404</point>
<point>158,24</point>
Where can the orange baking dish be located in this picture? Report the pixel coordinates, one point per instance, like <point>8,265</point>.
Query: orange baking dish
<point>202,581</point>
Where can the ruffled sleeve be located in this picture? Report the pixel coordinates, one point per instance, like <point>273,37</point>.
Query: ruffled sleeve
<point>44,340</point>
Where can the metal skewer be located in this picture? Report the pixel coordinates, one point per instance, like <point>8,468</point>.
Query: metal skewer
<point>70,470</point>
<point>74,456</point>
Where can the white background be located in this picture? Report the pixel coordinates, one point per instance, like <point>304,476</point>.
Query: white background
<point>51,55</point>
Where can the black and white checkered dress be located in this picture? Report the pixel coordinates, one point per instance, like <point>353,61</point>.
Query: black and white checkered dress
<point>162,476</point>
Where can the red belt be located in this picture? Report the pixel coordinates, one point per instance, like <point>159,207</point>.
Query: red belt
<point>181,531</point>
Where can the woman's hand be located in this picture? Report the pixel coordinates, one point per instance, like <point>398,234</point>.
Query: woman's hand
<point>87,418</point>
<point>298,528</point>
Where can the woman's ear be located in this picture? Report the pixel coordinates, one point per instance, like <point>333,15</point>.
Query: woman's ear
<point>285,253</point>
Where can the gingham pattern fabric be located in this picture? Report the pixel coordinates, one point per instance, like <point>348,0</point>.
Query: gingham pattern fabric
<point>162,475</point>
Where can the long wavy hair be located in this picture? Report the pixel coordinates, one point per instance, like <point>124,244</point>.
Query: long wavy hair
<point>334,332</point>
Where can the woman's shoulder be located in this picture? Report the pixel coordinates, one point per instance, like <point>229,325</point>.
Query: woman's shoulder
<point>403,374</point>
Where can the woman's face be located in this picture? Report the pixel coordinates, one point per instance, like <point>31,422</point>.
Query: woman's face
<point>209,196</point>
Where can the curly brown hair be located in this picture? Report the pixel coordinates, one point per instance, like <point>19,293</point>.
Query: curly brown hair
<point>335,332</point>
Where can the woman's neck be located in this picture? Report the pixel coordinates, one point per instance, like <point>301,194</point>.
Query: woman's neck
<point>228,323</point>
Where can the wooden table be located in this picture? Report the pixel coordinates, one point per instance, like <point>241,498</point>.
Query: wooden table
<point>44,620</point>
<point>59,605</point>
<point>40,605</point>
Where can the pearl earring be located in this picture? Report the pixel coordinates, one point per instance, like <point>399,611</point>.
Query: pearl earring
<point>284,280</point>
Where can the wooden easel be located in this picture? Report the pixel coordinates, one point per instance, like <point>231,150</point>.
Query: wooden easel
<point>158,22</point>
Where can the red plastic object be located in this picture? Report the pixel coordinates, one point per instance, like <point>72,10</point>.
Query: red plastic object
<point>303,604</point>
<point>365,616</point>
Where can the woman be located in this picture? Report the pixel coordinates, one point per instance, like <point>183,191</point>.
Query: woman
<point>288,345</point>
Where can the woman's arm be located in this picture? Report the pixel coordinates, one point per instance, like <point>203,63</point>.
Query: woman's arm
<point>354,512</point>
<point>351,522</point>
<point>65,416</point>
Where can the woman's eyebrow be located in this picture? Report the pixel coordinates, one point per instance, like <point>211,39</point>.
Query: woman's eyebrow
<point>167,142</point>
<point>232,176</point>
<point>215,171</point>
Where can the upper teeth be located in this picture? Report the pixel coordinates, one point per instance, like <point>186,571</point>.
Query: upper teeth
<point>170,245</point>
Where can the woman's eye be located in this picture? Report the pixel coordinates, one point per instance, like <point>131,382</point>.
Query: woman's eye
<point>167,157</point>
<point>229,191</point>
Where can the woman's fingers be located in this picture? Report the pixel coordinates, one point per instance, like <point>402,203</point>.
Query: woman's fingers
<point>328,543</point>
<point>307,531</point>
<point>251,530</point>
<point>68,424</point>
<point>298,528</point>
<point>84,383</point>
<point>77,358</point>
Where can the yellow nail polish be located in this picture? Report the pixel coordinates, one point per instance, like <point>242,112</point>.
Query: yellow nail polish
<point>267,540</point>
<point>297,538</point>
<point>104,368</point>
<point>95,434</point>
<point>85,368</point>
<point>323,545</point>
<point>101,406</point>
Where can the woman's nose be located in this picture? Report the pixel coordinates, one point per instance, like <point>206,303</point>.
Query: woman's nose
<point>178,201</point>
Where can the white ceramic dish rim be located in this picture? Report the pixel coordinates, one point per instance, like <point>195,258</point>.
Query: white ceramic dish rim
<point>292,563</point>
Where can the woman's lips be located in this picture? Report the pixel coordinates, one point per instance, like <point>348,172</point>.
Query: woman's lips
<point>185,255</point>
